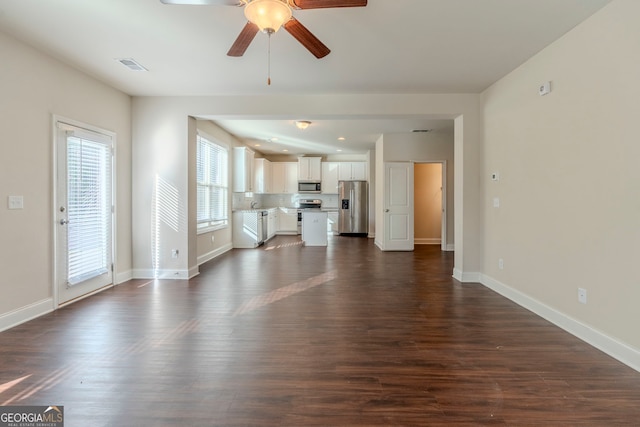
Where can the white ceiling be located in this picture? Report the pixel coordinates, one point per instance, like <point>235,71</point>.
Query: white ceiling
<point>390,46</point>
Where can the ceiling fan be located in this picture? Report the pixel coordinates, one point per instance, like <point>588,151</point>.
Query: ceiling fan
<point>269,15</point>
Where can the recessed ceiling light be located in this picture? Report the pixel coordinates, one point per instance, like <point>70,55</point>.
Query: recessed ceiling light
<point>257,145</point>
<point>285,150</point>
<point>341,138</point>
<point>338,150</point>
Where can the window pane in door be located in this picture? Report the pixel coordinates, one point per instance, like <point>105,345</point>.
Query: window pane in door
<point>89,209</point>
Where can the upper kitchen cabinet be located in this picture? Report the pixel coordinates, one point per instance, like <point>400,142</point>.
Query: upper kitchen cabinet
<point>262,176</point>
<point>352,171</point>
<point>329,177</point>
<point>309,169</point>
<point>284,177</point>
<point>242,169</point>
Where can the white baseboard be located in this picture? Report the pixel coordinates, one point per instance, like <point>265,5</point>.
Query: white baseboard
<point>618,350</point>
<point>450,247</point>
<point>427,241</point>
<point>139,273</point>
<point>211,255</point>
<point>26,313</point>
<point>466,277</point>
<point>123,276</point>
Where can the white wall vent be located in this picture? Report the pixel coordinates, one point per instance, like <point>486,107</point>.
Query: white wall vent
<point>131,64</point>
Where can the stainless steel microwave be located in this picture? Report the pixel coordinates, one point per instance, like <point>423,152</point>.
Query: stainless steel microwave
<point>309,187</point>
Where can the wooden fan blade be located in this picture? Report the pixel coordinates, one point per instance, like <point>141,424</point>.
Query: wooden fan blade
<point>203,2</point>
<point>320,4</point>
<point>308,40</point>
<point>244,40</point>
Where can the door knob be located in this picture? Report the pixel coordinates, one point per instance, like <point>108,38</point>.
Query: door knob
<point>63,222</point>
<point>386,210</point>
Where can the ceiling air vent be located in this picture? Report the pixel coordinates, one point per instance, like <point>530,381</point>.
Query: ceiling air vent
<point>420,130</point>
<point>131,64</point>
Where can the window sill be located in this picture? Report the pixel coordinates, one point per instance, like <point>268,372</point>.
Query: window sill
<point>211,228</point>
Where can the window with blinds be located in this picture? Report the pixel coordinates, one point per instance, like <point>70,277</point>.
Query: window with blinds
<point>89,209</point>
<point>213,186</point>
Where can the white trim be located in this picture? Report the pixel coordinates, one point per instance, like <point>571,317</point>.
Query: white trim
<point>427,241</point>
<point>450,247</point>
<point>624,353</point>
<point>214,253</point>
<point>26,313</point>
<point>61,122</point>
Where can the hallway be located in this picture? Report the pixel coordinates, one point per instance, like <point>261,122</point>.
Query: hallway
<point>287,335</point>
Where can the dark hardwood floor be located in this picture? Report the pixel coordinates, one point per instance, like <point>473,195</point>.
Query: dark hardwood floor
<point>287,335</point>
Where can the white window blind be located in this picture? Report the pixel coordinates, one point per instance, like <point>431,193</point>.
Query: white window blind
<point>89,208</point>
<point>213,187</point>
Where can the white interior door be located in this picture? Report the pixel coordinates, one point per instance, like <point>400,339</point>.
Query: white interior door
<point>83,211</point>
<point>398,206</point>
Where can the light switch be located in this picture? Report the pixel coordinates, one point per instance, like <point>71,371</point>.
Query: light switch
<point>15,202</point>
<point>496,202</point>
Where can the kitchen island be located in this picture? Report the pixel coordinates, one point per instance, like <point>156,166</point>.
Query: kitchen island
<point>314,228</point>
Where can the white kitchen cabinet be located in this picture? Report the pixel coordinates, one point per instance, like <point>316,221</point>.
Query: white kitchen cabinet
<point>242,170</point>
<point>287,221</point>
<point>262,176</point>
<point>247,229</point>
<point>352,171</point>
<point>272,223</point>
<point>284,177</point>
<point>329,177</point>
<point>309,169</point>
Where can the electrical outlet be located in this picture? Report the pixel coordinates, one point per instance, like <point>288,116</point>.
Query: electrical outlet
<point>501,264</point>
<point>582,295</point>
<point>174,253</point>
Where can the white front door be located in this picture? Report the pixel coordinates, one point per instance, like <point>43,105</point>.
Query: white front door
<point>83,211</point>
<point>398,206</point>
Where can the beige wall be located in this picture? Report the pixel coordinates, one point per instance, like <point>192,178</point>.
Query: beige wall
<point>34,87</point>
<point>428,147</point>
<point>569,185</point>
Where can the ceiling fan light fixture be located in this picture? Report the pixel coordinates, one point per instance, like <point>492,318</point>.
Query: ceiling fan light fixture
<point>268,15</point>
<point>302,124</point>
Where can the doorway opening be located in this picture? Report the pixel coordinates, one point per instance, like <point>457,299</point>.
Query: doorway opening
<point>83,210</point>
<point>430,218</point>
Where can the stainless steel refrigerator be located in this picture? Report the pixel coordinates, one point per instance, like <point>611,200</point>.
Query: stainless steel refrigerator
<point>352,207</point>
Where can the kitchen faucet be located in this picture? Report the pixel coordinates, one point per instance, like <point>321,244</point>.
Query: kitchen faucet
<point>254,204</point>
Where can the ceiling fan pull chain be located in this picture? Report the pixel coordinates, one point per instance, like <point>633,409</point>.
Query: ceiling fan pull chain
<point>269,62</point>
